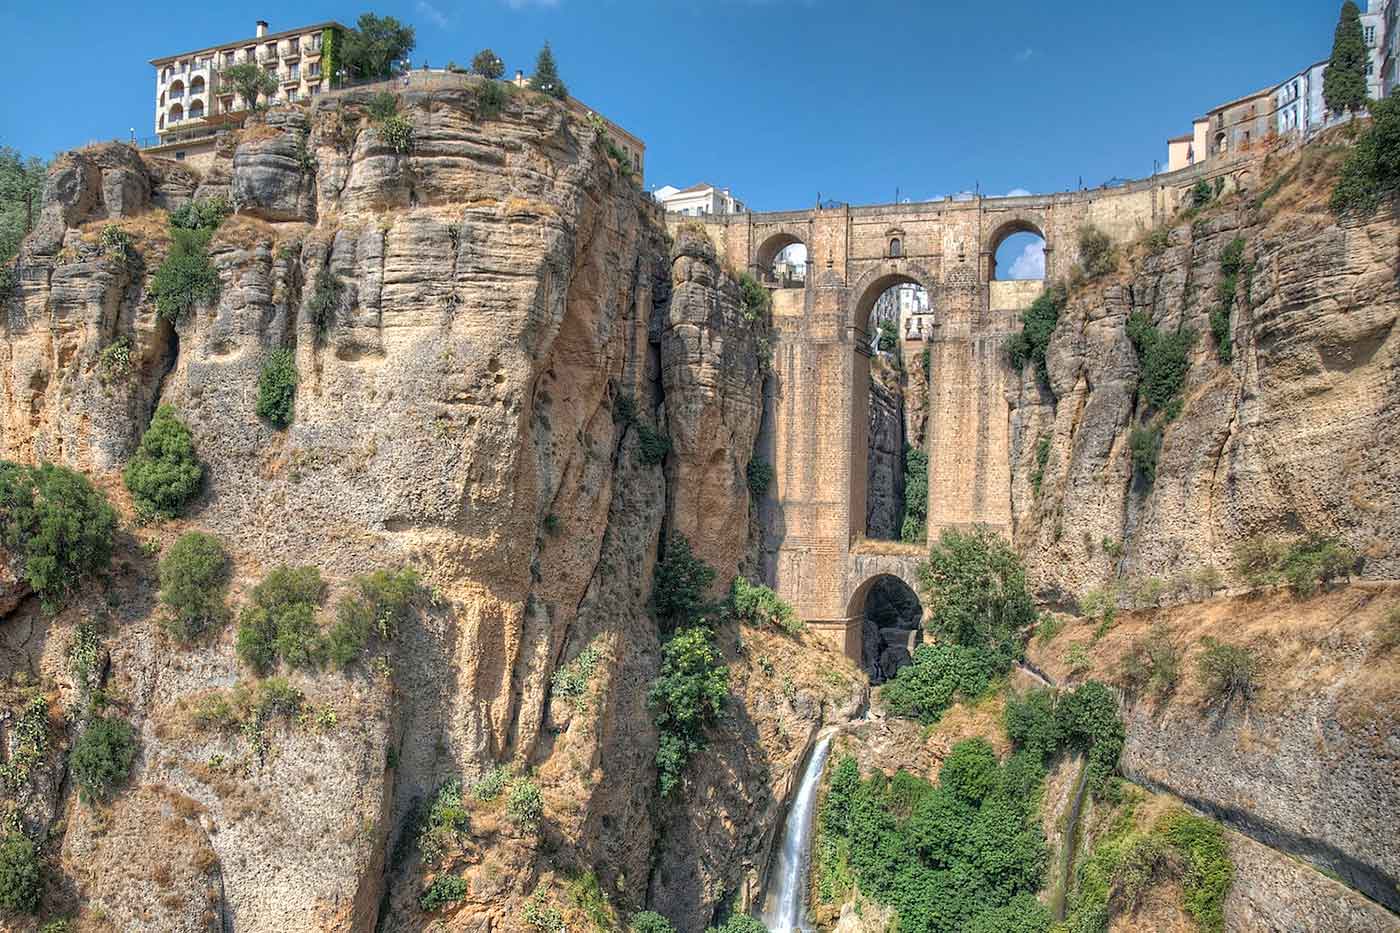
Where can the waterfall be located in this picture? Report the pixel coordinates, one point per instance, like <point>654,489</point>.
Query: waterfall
<point>785,907</point>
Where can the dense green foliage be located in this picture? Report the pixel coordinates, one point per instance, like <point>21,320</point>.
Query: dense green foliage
<point>546,77</point>
<point>1096,253</point>
<point>524,804</point>
<point>1164,359</point>
<point>376,47</point>
<point>201,214</point>
<point>1227,671</point>
<point>686,697</point>
<point>1344,78</point>
<point>324,302</point>
<point>739,923</point>
<point>759,474</point>
<point>280,621</point>
<point>1371,172</point>
<point>679,584</point>
<point>914,526</point>
<point>975,590</point>
<point>185,277</point>
<point>277,387</point>
<point>251,81</point>
<point>1304,563</point>
<point>650,922</point>
<point>21,189</point>
<point>571,681</point>
<point>488,64</point>
<point>1037,325</point>
<point>57,523</point>
<point>1041,722</point>
<point>377,606</point>
<point>652,445</point>
<point>1145,442</point>
<point>101,757</point>
<point>21,877</point>
<point>193,576</point>
<point>164,474</point>
<point>1209,871</point>
<point>445,889</point>
<point>756,301</point>
<point>757,604</point>
<point>887,336</point>
<point>491,98</point>
<point>937,675</point>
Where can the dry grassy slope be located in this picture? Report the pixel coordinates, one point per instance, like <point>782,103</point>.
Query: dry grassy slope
<point>1311,765</point>
<point>1292,435</point>
<point>500,282</point>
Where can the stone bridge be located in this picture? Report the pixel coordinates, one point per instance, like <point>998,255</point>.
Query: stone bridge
<point>816,415</point>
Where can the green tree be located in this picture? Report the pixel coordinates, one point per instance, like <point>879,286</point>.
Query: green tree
<point>1037,325</point>
<point>21,187</point>
<point>976,591</point>
<point>686,697</point>
<point>186,277</point>
<point>193,574</point>
<point>488,64</point>
<point>679,584</point>
<point>281,620</point>
<point>251,81</point>
<point>21,880</point>
<point>101,758</point>
<point>1344,79</point>
<point>546,77</point>
<point>163,474</point>
<point>375,46</point>
<point>58,523</point>
<point>1371,173</point>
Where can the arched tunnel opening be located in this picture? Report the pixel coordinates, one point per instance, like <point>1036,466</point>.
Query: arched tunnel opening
<point>891,628</point>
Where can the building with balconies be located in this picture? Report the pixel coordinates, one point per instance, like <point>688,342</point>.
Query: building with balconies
<point>192,103</point>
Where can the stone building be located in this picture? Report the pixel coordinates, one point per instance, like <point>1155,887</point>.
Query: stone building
<point>192,102</point>
<point>1299,109</point>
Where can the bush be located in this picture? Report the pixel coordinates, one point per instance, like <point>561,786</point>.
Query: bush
<point>652,445</point>
<point>739,923</point>
<point>975,589</point>
<point>1220,330</point>
<point>756,302</point>
<point>280,622</point>
<point>1371,173</point>
<point>686,697</point>
<point>58,524</point>
<point>1042,458</point>
<point>383,105</point>
<point>759,474</point>
<point>101,758</point>
<point>397,133</point>
<point>936,676</point>
<point>193,575</point>
<point>1145,441</point>
<point>1305,564</point>
<point>445,889</point>
<point>204,214</point>
<point>679,584</point>
<point>1037,326</point>
<point>491,99</point>
<point>1163,358</point>
<point>759,605</point>
<point>525,806</point>
<point>1096,253</point>
<point>649,922</point>
<point>163,475</point>
<point>115,360</point>
<point>1087,719</point>
<point>970,771</point>
<point>1030,722</point>
<point>1227,671</point>
<point>1152,665</point>
<point>914,527</point>
<point>571,681</point>
<point>1201,194</point>
<point>445,821</point>
<point>277,386</point>
<point>490,786</point>
<point>185,277</point>
<point>324,303</point>
<point>21,877</point>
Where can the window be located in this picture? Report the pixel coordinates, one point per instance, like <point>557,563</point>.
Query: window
<point>896,247</point>
<point>180,154</point>
<point>315,89</point>
<point>1370,67</point>
<point>313,70</point>
<point>1370,36</point>
<point>294,72</point>
<point>229,57</point>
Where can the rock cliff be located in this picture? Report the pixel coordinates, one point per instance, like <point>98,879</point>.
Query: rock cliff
<point>507,327</point>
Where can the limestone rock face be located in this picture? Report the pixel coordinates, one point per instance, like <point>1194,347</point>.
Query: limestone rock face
<point>885,461</point>
<point>489,295</point>
<point>1289,436</point>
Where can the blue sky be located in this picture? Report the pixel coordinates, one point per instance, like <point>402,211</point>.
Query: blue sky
<point>781,100</point>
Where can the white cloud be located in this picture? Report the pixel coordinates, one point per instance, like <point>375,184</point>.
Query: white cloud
<point>1016,193</point>
<point>1024,55</point>
<point>526,4</point>
<point>432,14</point>
<point>1030,264</point>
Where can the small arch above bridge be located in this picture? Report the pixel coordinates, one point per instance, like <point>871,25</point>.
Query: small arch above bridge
<point>768,250</point>
<point>880,279</point>
<point>1020,224</point>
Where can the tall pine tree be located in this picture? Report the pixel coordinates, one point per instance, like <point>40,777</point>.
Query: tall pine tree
<point>546,77</point>
<point>1344,81</point>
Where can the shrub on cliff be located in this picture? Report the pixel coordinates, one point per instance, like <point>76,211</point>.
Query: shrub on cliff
<point>101,758</point>
<point>21,877</point>
<point>1371,173</point>
<point>1226,671</point>
<point>759,605</point>
<point>524,804</point>
<point>1163,358</point>
<point>1152,665</point>
<point>57,523</point>
<point>759,474</point>
<point>546,78</point>
<point>938,675</point>
<point>739,923</point>
<point>204,214</point>
<point>914,528</point>
<point>1305,563</point>
<point>1037,325</point>
<point>280,622</point>
<point>488,64</point>
<point>277,386</point>
<point>1096,253</point>
<point>445,889</point>
<point>193,576</point>
<point>380,603</point>
<point>679,584</point>
<point>686,697</point>
<point>757,304</point>
<point>163,475</point>
<point>650,922</point>
<point>324,302</point>
<point>975,589</point>
<point>185,277</point>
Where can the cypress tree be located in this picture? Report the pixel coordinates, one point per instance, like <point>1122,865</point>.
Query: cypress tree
<point>546,77</point>
<point>1344,80</point>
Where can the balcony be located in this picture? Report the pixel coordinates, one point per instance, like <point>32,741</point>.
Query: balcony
<point>311,45</point>
<point>267,57</point>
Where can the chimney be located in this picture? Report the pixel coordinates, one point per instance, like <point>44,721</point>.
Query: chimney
<point>262,28</point>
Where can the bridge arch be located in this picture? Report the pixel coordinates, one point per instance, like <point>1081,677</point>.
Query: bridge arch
<point>1021,223</point>
<point>773,244</point>
<point>890,613</point>
<point>877,280</point>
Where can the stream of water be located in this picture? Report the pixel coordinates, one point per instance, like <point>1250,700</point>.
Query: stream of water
<point>785,907</point>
